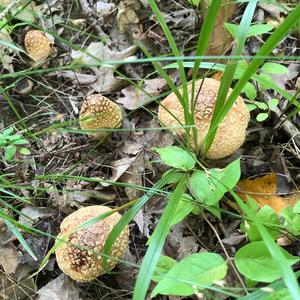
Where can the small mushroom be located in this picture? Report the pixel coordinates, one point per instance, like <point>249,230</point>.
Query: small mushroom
<point>80,257</point>
<point>98,112</point>
<point>24,86</point>
<point>231,132</point>
<point>38,44</point>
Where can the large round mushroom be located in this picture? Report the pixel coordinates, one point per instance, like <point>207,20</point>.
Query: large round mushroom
<point>79,257</point>
<point>231,132</point>
<point>38,44</point>
<point>100,113</point>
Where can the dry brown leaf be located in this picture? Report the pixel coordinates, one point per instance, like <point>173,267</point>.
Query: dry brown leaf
<point>221,39</point>
<point>264,191</point>
<point>9,259</point>
<point>105,79</point>
<point>137,97</point>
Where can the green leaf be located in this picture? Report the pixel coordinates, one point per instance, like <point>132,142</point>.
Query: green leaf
<point>194,2</point>
<point>24,151</point>
<point>187,276</point>
<point>10,152</point>
<point>251,107</point>
<point>257,29</point>
<point>296,208</point>
<point>265,81</point>
<point>274,68</point>
<point>177,157</point>
<point>282,294</point>
<point>261,105</point>
<point>185,206</point>
<point>209,187</point>
<point>156,243</point>
<point>256,263</point>
<point>164,265</point>
<point>21,142</point>
<point>262,117</point>
<point>8,131</point>
<point>267,216</point>
<point>272,103</point>
<point>250,90</point>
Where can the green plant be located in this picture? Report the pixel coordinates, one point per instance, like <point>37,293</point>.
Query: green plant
<point>10,143</point>
<point>202,178</point>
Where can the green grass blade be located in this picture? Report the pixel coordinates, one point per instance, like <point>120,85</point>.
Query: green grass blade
<point>230,71</point>
<point>187,116</point>
<point>14,230</point>
<point>156,243</point>
<point>203,40</point>
<point>269,45</point>
<point>130,214</point>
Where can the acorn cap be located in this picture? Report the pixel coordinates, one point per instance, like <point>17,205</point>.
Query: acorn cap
<point>83,262</point>
<point>38,44</point>
<point>231,132</point>
<point>98,112</point>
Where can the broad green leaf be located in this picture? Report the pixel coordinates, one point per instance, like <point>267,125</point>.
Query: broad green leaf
<point>296,208</point>
<point>164,265</point>
<point>177,157</point>
<point>265,81</point>
<point>257,29</point>
<point>272,103</point>
<point>195,269</point>
<point>274,68</point>
<point>8,131</point>
<point>282,294</point>
<point>250,90</point>
<point>251,107</point>
<point>24,151</point>
<point>185,206</point>
<point>261,105</point>
<point>10,152</point>
<point>194,2</point>
<point>256,263</point>
<point>21,142</point>
<point>262,117</point>
<point>269,218</point>
<point>209,187</point>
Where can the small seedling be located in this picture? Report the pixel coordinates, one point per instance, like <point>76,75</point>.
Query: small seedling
<point>10,143</point>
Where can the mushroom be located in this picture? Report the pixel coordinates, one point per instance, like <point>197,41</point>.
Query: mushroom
<point>80,256</point>
<point>98,112</point>
<point>231,132</point>
<point>24,86</point>
<point>38,44</point>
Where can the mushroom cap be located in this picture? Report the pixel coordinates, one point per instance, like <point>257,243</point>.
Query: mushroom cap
<point>98,112</point>
<point>38,44</point>
<point>231,132</point>
<point>83,263</point>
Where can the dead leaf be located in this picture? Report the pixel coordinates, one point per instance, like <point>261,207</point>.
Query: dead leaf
<point>221,40</point>
<point>9,259</point>
<point>61,288</point>
<point>103,9</point>
<point>184,18</point>
<point>264,191</point>
<point>274,9</point>
<point>133,176</point>
<point>137,97</point>
<point>127,17</point>
<point>97,52</point>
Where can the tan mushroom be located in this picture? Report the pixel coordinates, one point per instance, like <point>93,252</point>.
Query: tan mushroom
<point>38,44</point>
<point>80,257</point>
<point>231,132</point>
<point>98,112</point>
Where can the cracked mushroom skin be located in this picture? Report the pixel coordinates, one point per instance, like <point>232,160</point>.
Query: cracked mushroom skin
<point>38,44</point>
<point>83,263</point>
<point>98,112</point>
<point>231,132</point>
